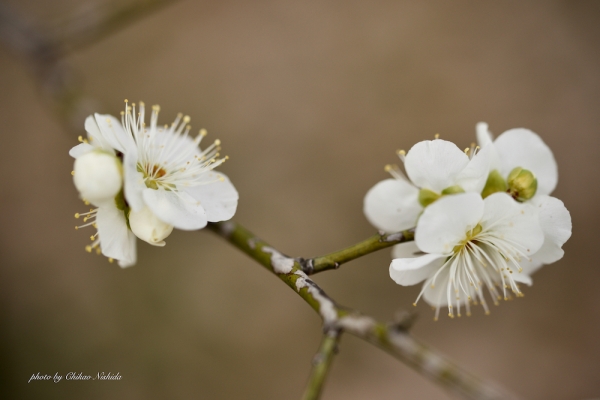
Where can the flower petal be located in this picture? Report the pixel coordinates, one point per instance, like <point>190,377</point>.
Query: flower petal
<point>529,267</point>
<point>409,271</point>
<point>133,180</point>
<point>435,164</point>
<point>445,223</point>
<point>475,174</point>
<point>218,198</point>
<point>484,136</point>
<point>116,240</point>
<point>113,133</point>
<point>95,137</point>
<point>406,250</point>
<point>512,222</point>
<point>176,208</point>
<point>555,221</point>
<point>436,295</point>
<point>523,148</point>
<point>80,149</point>
<point>392,205</point>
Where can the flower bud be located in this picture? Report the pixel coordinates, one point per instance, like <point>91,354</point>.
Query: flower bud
<point>522,184</point>
<point>495,183</point>
<point>98,176</point>
<point>146,226</point>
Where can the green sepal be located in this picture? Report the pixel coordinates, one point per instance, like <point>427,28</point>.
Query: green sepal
<point>495,183</point>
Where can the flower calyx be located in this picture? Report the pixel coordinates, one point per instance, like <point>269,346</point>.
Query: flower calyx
<point>426,196</point>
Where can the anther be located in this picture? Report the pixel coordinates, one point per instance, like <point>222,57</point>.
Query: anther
<point>437,136</point>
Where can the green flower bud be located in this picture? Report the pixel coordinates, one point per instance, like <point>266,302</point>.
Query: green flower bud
<point>495,183</point>
<point>426,197</point>
<point>522,184</point>
<point>453,190</point>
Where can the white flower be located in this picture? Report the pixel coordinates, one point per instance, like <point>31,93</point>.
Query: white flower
<point>99,182</point>
<point>518,150</point>
<point>167,172</point>
<point>435,168</point>
<point>469,243</point>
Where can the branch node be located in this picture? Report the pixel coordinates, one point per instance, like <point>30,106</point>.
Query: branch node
<point>307,265</point>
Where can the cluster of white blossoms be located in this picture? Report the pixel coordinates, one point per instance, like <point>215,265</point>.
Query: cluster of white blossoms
<point>483,217</point>
<point>146,180</point>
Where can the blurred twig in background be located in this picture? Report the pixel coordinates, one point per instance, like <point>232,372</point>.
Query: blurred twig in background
<point>44,49</point>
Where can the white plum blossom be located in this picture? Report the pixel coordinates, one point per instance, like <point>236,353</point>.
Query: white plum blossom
<point>168,173</point>
<point>98,177</point>
<point>434,168</point>
<point>147,180</point>
<point>522,155</point>
<point>463,244</point>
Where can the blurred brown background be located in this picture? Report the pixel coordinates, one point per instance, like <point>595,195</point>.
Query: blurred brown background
<point>310,100</point>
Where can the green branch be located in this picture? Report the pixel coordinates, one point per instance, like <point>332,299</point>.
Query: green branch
<point>321,363</point>
<point>374,243</point>
<point>391,338</point>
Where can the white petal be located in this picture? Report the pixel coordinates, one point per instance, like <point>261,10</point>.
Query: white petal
<point>176,208</point>
<point>406,250</point>
<point>437,296</point>
<point>392,205</point>
<point>219,198</point>
<point>435,164</point>
<point>475,174</point>
<point>512,221</point>
<point>94,135</point>
<point>116,240</point>
<point>529,267</point>
<point>409,271</point>
<point>113,133</point>
<point>555,221</point>
<point>445,223</point>
<point>133,181</point>
<point>522,148</point>
<point>485,141</point>
<point>132,258</point>
<point>484,136</point>
<point>80,149</point>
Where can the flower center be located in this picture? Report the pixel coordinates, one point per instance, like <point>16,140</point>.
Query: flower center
<point>482,259</point>
<point>470,238</point>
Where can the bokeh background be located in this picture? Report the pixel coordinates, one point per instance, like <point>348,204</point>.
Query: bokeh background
<point>311,100</point>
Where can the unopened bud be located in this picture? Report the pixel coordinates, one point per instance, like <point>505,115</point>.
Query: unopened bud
<point>522,184</point>
<point>98,176</point>
<point>495,183</point>
<point>146,226</point>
